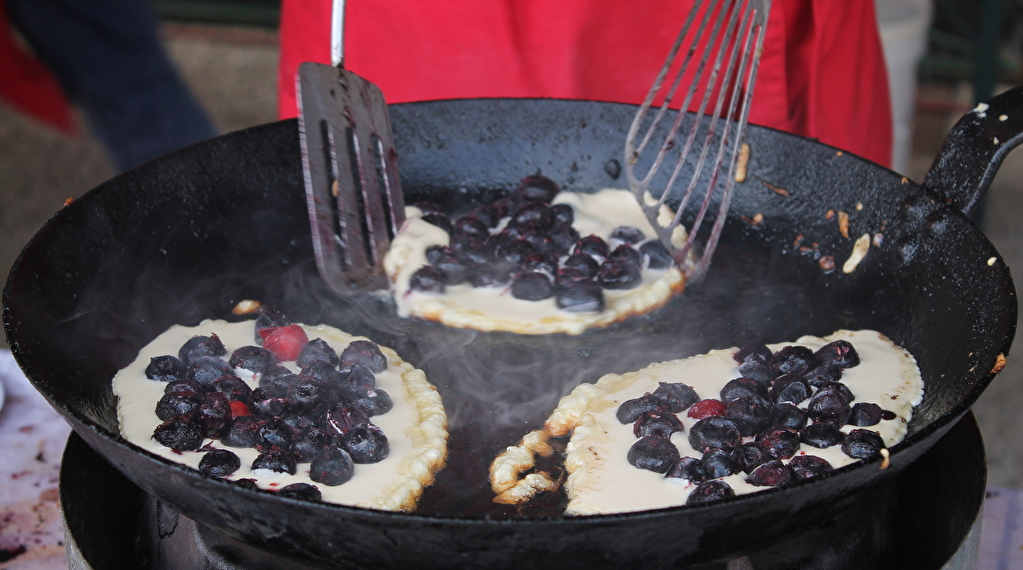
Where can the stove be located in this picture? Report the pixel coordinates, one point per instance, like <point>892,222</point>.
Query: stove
<point>927,518</point>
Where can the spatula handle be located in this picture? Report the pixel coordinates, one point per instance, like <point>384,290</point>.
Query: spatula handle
<point>337,34</point>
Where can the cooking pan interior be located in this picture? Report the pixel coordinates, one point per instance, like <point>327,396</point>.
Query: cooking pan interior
<point>187,236</point>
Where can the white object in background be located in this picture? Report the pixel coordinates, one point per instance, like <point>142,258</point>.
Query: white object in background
<point>904,25</point>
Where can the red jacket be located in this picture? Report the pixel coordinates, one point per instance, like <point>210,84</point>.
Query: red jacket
<point>822,73</point>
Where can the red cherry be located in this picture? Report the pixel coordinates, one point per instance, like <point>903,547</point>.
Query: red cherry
<point>239,409</point>
<point>706,409</point>
<point>284,342</point>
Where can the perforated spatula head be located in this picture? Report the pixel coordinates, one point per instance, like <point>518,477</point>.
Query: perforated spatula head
<point>351,170</point>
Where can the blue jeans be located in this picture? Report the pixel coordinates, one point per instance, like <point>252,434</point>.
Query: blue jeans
<point>109,60</point>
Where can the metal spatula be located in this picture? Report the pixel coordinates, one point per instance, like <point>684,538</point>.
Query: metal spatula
<point>351,169</point>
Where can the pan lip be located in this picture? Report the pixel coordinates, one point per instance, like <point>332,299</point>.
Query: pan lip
<point>943,422</point>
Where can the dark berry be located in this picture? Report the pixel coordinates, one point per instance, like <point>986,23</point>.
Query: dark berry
<point>791,389</point>
<point>366,443</point>
<point>534,215</point>
<point>307,394</point>
<point>779,442</point>
<point>690,469</point>
<point>427,279</point>
<point>246,484</point>
<point>366,353</point>
<point>179,434</point>
<point>822,435</point>
<point>584,263</point>
<point>317,349</point>
<point>302,492</point>
<point>828,406</point>
<point>744,388</point>
<point>309,443</point>
<point>542,263</point>
<point>491,275</point>
<point>788,415</point>
<point>706,409</point>
<point>659,425</point>
<point>564,237</point>
<point>165,368</point>
<point>749,456</point>
<point>864,414</point>
<point>344,417</point>
<point>439,220</point>
<point>332,466</point>
<point>276,460</point>
<point>184,387</point>
<point>537,188</point>
<point>710,491</point>
<point>862,444</point>
<point>712,432</point>
<point>628,254</point>
<point>580,297</point>
<point>355,376</point>
<point>540,241</point>
<point>563,214</point>
<point>274,433</point>
<point>201,346</point>
<point>206,369</point>
<point>214,414</point>
<point>454,268</point>
<point>809,466</point>
<point>373,401</point>
<point>756,370</point>
<point>770,474</point>
<point>284,342</point>
<point>275,386</point>
<point>472,226</point>
<point>628,234</point>
<point>243,432</point>
<point>656,255</point>
<point>592,245</point>
<point>489,214</point>
<point>630,410</point>
<point>839,388</point>
<point>676,395</point>
<point>532,286</point>
<point>269,318</point>
<point>320,370</point>
<point>177,405</point>
<point>619,274</point>
<point>793,360</point>
<point>219,463</point>
<point>757,351</point>
<point>719,463</point>
<point>751,415</point>
<point>823,374</point>
<point>571,276</point>
<point>655,454</point>
<point>252,358</point>
<point>839,353</point>
<point>233,387</point>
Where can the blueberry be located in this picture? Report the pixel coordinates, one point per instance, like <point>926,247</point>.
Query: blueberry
<point>317,349</point>
<point>690,469</point>
<point>321,370</point>
<point>252,358</point>
<point>755,351</point>
<point>822,435</point>
<point>427,279</point>
<point>537,188</point>
<point>504,206</point>
<point>823,374</point>
<point>453,267</point>
<point>749,456</point>
<point>839,353</point>
<point>219,463</point>
<point>307,394</point>
<point>677,396</point>
<point>864,414</point>
<point>276,386</point>
<point>233,387</point>
<point>656,255</point>
<point>793,360</point>
<point>570,276</point>
<point>719,463</point>
<point>274,433</point>
<point>332,466</point>
<point>366,443</point>
<point>246,484</point>
<point>628,254</point>
<point>201,346</point>
<point>179,434</point>
<point>269,318</point>
<point>439,220</point>
<point>791,389</point>
<point>373,401</point>
<point>471,249</point>
<point>541,242</point>
<point>546,263</point>
<point>365,353</point>
<point>563,214</point>
<point>714,431</point>
<point>710,491</point>
<point>750,414</point>
<point>628,234</point>
<point>309,443</point>
<point>744,388</point>
<point>266,407</point>
<point>619,274</point>
<point>862,444</point>
<point>584,263</point>
<point>355,376</point>
<point>770,474</point>
<point>513,251</point>
<point>165,368</point>
<point>809,466</point>
<point>342,418</point>
<point>214,414</point>
<point>532,286</point>
<point>779,442</point>
<point>580,297</point>
<point>491,275</point>
<point>564,237</point>
<point>243,432</point>
<point>472,226</point>
<point>489,214</point>
<point>593,246</point>
<point>302,492</point>
<point>828,406</point>
<point>788,415</point>
<point>655,454</point>
<point>534,215</point>
<point>206,369</point>
<point>276,460</point>
<point>659,425</point>
<point>630,410</point>
<point>755,369</point>
<point>839,388</point>
<point>184,387</point>
<point>177,405</point>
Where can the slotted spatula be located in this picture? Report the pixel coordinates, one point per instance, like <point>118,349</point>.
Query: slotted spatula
<point>351,169</point>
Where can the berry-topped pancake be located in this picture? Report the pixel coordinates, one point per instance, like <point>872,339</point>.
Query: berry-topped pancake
<point>724,423</point>
<point>540,262</point>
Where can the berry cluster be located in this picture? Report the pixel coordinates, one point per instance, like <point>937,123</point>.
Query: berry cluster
<point>525,241</point>
<point>320,415</point>
<point>757,423</point>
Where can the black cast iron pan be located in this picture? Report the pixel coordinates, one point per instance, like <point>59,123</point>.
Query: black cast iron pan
<point>186,236</point>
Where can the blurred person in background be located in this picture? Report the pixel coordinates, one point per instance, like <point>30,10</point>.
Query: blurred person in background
<point>106,58</point>
<point>822,73</point>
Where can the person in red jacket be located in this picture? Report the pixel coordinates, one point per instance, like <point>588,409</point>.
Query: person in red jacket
<point>822,73</point>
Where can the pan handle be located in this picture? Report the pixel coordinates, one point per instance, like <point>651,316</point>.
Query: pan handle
<point>974,150</point>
